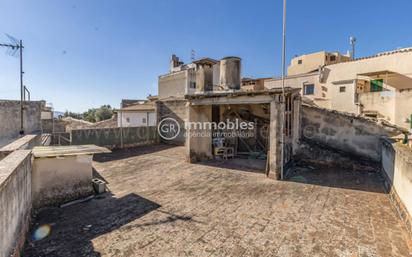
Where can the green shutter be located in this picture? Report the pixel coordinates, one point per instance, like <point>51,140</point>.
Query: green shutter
<point>376,85</point>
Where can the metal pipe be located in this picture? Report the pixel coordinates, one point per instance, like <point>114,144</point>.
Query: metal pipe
<point>21,88</point>
<point>28,93</point>
<point>283,89</point>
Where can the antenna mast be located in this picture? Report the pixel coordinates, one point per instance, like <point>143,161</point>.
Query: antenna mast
<point>352,41</point>
<point>192,55</point>
<point>15,48</point>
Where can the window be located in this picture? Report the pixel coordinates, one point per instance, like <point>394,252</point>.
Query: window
<point>127,119</point>
<point>299,61</point>
<point>376,85</point>
<point>192,84</point>
<point>309,89</point>
<point>144,120</point>
<point>332,58</point>
<point>342,89</point>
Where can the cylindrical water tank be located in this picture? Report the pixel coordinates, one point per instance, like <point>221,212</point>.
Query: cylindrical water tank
<point>230,72</point>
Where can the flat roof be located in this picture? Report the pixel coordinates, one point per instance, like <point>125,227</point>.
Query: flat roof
<point>138,107</point>
<point>72,150</point>
<point>375,73</point>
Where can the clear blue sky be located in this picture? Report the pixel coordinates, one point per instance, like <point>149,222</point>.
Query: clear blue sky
<point>84,53</point>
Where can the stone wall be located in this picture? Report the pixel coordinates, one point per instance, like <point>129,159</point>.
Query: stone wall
<point>10,119</point>
<point>25,142</point>
<point>173,85</point>
<point>115,137</point>
<point>344,132</point>
<point>178,110</point>
<point>397,168</point>
<point>15,201</point>
<point>47,126</point>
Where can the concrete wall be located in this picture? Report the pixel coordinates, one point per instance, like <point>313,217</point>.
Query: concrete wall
<point>344,132</point>
<point>343,101</point>
<point>403,109</point>
<point>298,82</point>
<point>115,137</point>
<point>199,141</point>
<point>173,85</point>
<point>136,119</point>
<point>176,109</point>
<point>15,201</point>
<point>47,126</point>
<point>58,180</point>
<point>10,119</point>
<point>397,165</point>
<point>23,143</point>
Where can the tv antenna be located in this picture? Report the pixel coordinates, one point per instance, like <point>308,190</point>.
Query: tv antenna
<point>192,55</point>
<point>15,49</point>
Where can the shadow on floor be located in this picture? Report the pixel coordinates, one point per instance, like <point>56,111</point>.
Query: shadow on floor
<point>74,227</point>
<point>366,179</point>
<point>118,154</point>
<point>248,165</point>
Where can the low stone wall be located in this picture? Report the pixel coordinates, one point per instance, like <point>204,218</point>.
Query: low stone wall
<point>115,137</point>
<point>48,126</point>
<point>15,201</point>
<point>344,132</point>
<point>25,142</point>
<point>397,168</point>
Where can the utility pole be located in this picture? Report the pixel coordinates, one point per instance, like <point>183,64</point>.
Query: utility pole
<point>283,102</point>
<point>12,50</point>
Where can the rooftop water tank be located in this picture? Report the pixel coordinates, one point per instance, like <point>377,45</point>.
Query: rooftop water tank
<point>230,68</point>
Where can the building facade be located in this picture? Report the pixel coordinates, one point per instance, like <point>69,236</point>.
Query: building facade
<point>137,115</point>
<point>378,86</point>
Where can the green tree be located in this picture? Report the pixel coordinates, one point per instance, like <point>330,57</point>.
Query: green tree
<point>98,114</point>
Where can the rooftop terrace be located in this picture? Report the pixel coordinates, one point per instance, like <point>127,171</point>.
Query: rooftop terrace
<point>159,205</point>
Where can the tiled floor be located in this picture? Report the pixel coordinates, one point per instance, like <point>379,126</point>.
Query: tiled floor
<point>162,206</point>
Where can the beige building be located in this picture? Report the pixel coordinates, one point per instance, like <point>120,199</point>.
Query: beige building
<point>183,79</point>
<point>250,84</point>
<point>311,62</point>
<point>378,86</point>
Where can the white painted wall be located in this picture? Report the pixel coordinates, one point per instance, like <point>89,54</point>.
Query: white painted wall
<point>136,119</point>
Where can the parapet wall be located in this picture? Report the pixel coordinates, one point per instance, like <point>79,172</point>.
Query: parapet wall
<point>115,137</point>
<point>344,132</point>
<point>397,168</point>
<point>15,201</point>
<point>10,118</point>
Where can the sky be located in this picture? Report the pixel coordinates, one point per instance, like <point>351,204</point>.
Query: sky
<point>81,54</point>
